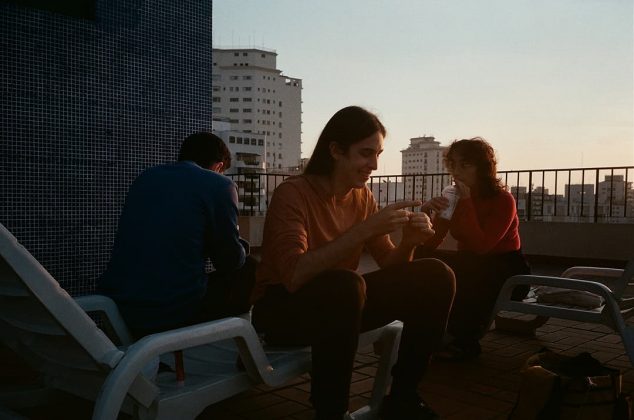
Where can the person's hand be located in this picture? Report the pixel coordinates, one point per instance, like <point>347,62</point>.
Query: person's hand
<point>389,218</point>
<point>417,230</point>
<point>437,204</point>
<point>463,190</point>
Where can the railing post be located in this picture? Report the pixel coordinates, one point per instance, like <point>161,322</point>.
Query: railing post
<point>596,197</point>
<point>529,196</point>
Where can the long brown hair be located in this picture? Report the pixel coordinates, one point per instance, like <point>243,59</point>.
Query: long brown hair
<point>478,152</point>
<point>347,127</point>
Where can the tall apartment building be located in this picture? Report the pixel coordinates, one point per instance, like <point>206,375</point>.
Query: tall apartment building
<point>257,98</point>
<point>424,157</point>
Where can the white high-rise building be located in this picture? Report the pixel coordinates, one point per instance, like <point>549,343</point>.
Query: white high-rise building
<point>424,158</point>
<point>257,98</point>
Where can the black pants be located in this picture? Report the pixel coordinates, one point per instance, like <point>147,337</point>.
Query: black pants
<point>227,295</point>
<point>329,312</point>
<point>479,279</point>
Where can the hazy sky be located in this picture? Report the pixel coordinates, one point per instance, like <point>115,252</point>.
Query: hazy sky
<point>550,83</point>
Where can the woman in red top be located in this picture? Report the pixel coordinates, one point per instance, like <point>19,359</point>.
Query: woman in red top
<point>485,225</point>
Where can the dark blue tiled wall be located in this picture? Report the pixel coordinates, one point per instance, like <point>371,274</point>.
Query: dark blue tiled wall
<point>85,105</point>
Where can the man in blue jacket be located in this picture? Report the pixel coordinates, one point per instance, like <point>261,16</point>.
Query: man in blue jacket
<point>176,216</point>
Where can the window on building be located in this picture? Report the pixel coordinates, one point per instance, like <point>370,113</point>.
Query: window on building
<point>245,54</point>
<point>234,99</point>
<point>246,77</point>
<point>234,110</point>
<point>233,77</point>
<point>215,88</point>
<point>239,140</point>
<point>235,54</point>
<point>247,88</point>
<point>216,99</point>
<point>232,139</point>
<point>232,121</point>
<point>247,121</point>
<point>254,142</point>
<point>263,56</point>
<point>280,104</point>
<point>260,142</point>
<point>247,110</point>
<point>247,99</point>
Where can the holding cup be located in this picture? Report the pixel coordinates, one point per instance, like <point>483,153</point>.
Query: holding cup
<point>451,194</point>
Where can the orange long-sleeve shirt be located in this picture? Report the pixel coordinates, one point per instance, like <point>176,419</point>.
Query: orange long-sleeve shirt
<point>302,217</point>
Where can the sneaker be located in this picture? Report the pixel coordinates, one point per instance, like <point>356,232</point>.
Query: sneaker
<point>406,409</point>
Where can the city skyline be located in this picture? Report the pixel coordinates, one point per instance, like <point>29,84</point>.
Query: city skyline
<point>549,84</point>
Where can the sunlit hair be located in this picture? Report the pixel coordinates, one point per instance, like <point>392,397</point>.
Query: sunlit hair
<point>478,152</point>
<point>348,126</point>
<point>205,149</point>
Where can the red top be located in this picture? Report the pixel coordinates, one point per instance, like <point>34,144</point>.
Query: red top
<point>482,225</point>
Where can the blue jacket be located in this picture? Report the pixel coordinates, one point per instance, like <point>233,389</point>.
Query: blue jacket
<point>174,217</point>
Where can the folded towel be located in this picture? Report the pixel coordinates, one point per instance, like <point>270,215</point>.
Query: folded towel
<point>556,295</point>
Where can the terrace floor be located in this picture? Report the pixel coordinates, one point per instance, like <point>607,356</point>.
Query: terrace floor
<point>485,388</point>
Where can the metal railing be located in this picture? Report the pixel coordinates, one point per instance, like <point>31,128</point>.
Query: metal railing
<point>590,195</point>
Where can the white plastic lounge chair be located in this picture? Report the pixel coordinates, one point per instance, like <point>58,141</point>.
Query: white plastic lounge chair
<point>53,333</point>
<point>614,286</point>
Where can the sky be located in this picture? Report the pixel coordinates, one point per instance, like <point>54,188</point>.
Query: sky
<point>549,83</point>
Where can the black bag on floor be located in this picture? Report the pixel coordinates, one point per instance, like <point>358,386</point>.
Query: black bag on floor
<point>569,387</point>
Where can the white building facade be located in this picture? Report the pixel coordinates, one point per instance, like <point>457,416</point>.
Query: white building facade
<point>255,97</point>
<point>424,158</point>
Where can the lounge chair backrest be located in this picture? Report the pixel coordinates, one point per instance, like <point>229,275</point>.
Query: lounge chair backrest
<point>41,322</point>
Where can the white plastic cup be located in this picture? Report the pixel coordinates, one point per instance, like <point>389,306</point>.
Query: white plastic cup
<point>450,193</point>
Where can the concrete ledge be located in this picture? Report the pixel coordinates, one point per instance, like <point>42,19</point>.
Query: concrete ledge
<point>575,241</point>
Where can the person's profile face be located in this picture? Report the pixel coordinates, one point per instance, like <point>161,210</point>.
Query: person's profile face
<point>355,166</point>
<point>462,169</point>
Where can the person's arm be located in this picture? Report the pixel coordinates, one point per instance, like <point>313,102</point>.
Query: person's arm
<point>441,228</point>
<point>415,232</point>
<point>381,223</point>
<point>286,236</point>
<point>227,252</point>
<point>481,236</point>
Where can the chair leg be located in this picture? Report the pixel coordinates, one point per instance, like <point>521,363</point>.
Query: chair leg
<point>179,367</point>
<point>627,335</point>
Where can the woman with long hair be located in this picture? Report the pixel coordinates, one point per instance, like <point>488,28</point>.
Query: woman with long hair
<point>308,291</point>
<point>485,226</point>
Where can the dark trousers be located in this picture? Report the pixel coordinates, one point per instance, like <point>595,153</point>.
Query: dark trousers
<point>227,295</point>
<point>330,311</point>
<point>479,279</point>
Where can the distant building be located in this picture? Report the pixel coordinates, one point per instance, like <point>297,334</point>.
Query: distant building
<point>615,197</point>
<point>424,156</point>
<point>247,165</point>
<point>257,98</point>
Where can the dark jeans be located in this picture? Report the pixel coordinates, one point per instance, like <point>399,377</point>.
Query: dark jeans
<point>227,295</point>
<point>479,279</point>
<point>329,312</point>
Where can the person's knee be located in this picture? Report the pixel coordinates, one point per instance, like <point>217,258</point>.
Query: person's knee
<point>433,277</point>
<point>346,289</point>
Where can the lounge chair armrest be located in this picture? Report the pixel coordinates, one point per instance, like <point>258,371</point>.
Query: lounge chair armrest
<point>593,271</point>
<point>100,303</point>
<point>561,282</point>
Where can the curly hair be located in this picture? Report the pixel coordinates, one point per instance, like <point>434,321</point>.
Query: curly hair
<point>478,152</point>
